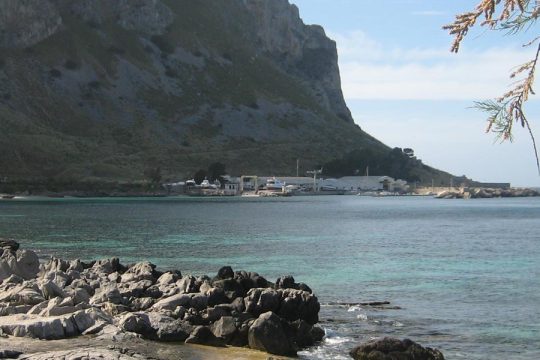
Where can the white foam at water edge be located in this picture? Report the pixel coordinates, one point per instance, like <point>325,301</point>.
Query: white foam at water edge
<point>354,308</point>
<point>337,340</point>
<point>321,354</point>
<point>363,317</point>
<point>331,337</point>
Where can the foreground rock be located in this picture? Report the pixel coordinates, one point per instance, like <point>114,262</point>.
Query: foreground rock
<point>394,349</point>
<point>60,299</point>
<point>88,354</point>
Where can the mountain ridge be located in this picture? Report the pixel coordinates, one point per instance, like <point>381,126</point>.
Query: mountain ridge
<point>100,90</point>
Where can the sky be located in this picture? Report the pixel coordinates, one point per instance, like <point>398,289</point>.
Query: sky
<point>404,87</point>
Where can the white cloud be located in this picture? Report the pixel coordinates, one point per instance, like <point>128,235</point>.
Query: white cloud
<point>370,70</point>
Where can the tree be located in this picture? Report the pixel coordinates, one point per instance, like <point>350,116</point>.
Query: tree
<point>216,171</point>
<point>200,175</point>
<point>512,16</point>
<point>153,174</point>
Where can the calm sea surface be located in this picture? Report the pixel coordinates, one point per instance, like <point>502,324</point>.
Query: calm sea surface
<point>463,275</point>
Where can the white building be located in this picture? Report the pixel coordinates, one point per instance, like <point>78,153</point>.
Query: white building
<point>366,183</point>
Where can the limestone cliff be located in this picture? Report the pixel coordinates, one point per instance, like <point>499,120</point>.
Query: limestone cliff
<point>100,89</point>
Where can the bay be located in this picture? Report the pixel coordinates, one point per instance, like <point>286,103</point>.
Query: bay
<point>464,275</point>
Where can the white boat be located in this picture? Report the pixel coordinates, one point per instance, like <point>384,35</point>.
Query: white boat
<point>274,184</point>
<point>206,185</point>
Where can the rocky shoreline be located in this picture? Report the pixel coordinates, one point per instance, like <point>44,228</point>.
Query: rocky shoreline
<point>106,310</point>
<point>486,193</point>
<point>112,302</point>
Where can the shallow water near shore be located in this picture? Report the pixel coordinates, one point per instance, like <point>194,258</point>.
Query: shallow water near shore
<point>461,275</point>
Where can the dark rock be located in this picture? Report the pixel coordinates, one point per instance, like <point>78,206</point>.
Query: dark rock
<point>231,288</point>
<point>259,301</point>
<point>250,280</point>
<point>267,333</point>
<point>286,282</point>
<point>238,305</point>
<point>9,244</point>
<point>306,334</point>
<point>298,304</point>
<point>394,349</point>
<point>199,302</point>
<point>215,313</point>
<point>9,354</point>
<point>153,291</point>
<point>141,304</point>
<point>202,335</point>
<point>241,337</point>
<point>195,318</point>
<point>304,287</point>
<point>174,331</point>
<point>217,296</point>
<point>225,272</point>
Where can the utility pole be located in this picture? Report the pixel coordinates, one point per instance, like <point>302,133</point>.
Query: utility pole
<point>297,167</point>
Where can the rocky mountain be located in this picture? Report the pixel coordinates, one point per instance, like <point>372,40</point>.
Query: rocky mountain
<point>100,89</point>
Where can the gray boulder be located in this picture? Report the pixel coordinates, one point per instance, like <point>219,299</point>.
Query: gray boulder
<point>140,271</point>
<point>23,263</point>
<point>306,334</point>
<point>107,266</point>
<point>267,333</point>
<point>60,278</point>
<point>188,284</point>
<point>106,293</point>
<point>394,349</point>
<point>225,328</point>
<point>171,302</point>
<point>46,328</point>
<point>172,330</point>
<point>298,304</point>
<point>259,301</point>
<point>50,290</point>
<point>137,323</point>
<point>23,294</point>
<point>54,264</point>
<point>169,278</point>
<point>202,335</point>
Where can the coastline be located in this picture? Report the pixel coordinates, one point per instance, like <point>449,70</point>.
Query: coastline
<point>110,307</point>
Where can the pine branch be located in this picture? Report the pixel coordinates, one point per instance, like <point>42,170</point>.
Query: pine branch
<point>514,16</point>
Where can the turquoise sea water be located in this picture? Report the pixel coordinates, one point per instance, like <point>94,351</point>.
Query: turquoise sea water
<point>465,274</point>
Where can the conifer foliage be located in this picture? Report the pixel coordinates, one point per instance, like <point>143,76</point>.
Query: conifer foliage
<point>512,16</point>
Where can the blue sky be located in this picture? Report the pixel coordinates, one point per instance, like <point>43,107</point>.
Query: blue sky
<point>404,87</point>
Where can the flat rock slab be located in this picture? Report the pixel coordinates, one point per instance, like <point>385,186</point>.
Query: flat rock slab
<point>149,349</point>
<point>87,354</point>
